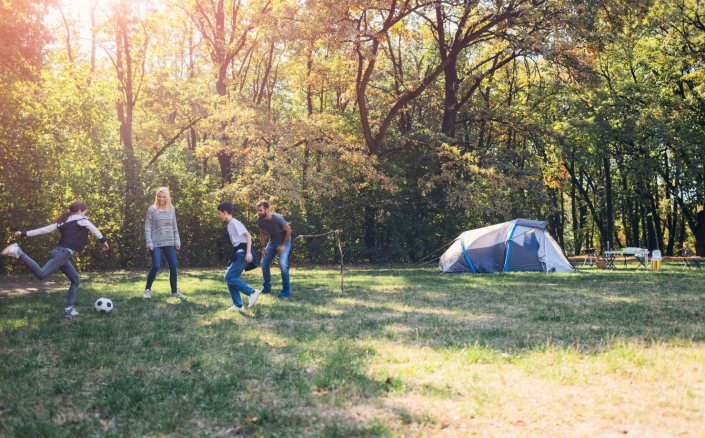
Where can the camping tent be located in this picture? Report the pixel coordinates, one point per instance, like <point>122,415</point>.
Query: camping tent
<point>518,245</point>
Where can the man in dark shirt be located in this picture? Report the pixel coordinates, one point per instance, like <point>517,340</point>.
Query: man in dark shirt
<point>279,244</point>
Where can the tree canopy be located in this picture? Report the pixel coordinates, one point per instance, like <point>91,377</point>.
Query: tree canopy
<point>401,122</point>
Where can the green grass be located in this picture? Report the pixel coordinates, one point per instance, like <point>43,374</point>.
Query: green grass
<point>401,352</point>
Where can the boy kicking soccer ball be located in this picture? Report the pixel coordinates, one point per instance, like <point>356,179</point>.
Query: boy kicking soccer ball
<point>240,258</point>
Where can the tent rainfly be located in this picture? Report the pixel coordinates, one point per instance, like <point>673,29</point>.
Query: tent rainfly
<point>518,245</point>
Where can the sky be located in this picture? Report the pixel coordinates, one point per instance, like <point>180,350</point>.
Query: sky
<point>78,12</point>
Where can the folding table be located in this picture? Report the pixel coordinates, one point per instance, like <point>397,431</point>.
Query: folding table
<point>642,256</point>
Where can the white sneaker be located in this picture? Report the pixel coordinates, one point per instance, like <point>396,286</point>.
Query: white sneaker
<point>178,295</point>
<point>239,309</point>
<point>69,312</point>
<point>253,297</point>
<point>147,294</point>
<point>12,251</point>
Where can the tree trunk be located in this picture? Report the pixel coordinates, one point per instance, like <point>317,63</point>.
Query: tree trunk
<point>481,135</point>
<point>626,209</point>
<point>465,36</point>
<point>223,49</point>
<point>672,229</point>
<point>609,216</point>
<point>223,154</point>
<point>583,224</point>
<point>225,165</point>
<point>561,233</point>
<point>309,106</point>
<point>648,223</point>
<point>656,223</point>
<point>125,106</point>
<point>69,52</point>
<point>574,213</point>
<point>699,234</point>
<point>94,32</point>
<point>586,197</point>
<point>681,233</point>
<point>634,215</point>
<point>696,224</point>
<point>555,217</point>
<point>370,231</point>
<point>672,216</point>
<point>450,105</point>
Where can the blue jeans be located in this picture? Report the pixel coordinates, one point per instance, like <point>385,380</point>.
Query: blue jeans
<point>61,260</point>
<point>232,277</point>
<point>283,266</point>
<point>170,254</point>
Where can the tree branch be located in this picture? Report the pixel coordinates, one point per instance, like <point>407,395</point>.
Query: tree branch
<point>172,141</point>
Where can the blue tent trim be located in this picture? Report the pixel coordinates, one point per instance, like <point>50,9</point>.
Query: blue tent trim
<point>467,259</point>
<point>509,248</point>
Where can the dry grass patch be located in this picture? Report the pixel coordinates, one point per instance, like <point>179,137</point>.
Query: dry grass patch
<point>402,353</point>
<point>647,391</point>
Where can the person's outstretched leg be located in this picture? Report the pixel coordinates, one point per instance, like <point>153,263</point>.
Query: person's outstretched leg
<point>266,264</point>
<point>284,266</point>
<point>58,257</point>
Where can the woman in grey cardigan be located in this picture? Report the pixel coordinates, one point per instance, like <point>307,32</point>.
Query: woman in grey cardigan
<point>162,236</point>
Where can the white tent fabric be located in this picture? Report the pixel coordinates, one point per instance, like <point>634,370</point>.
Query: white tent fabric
<point>518,245</point>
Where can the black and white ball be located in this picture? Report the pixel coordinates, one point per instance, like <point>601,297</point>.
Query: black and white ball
<point>103,305</point>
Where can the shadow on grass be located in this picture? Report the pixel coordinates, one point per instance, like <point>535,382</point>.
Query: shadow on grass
<point>152,367</point>
<point>297,366</point>
<point>505,311</point>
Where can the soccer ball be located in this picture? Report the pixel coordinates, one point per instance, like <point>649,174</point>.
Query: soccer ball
<point>103,305</point>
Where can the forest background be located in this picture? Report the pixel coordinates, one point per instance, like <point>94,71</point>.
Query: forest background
<point>401,123</point>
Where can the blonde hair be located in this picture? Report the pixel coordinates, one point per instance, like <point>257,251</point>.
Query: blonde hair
<point>168,198</point>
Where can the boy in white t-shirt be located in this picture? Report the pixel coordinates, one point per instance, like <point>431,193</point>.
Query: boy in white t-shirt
<point>241,256</point>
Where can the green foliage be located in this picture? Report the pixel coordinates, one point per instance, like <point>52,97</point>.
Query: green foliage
<point>586,115</point>
<point>23,36</point>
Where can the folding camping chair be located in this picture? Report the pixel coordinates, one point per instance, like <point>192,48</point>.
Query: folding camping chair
<point>643,259</point>
<point>589,256</point>
<point>689,256</point>
<point>609,258</point>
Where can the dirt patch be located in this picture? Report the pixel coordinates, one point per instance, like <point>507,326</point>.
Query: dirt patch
<point>18,286</point>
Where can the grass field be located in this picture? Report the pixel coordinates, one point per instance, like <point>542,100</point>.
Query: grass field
<point>401,353</point>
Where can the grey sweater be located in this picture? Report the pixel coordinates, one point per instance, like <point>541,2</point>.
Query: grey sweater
<point>160,228</point>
